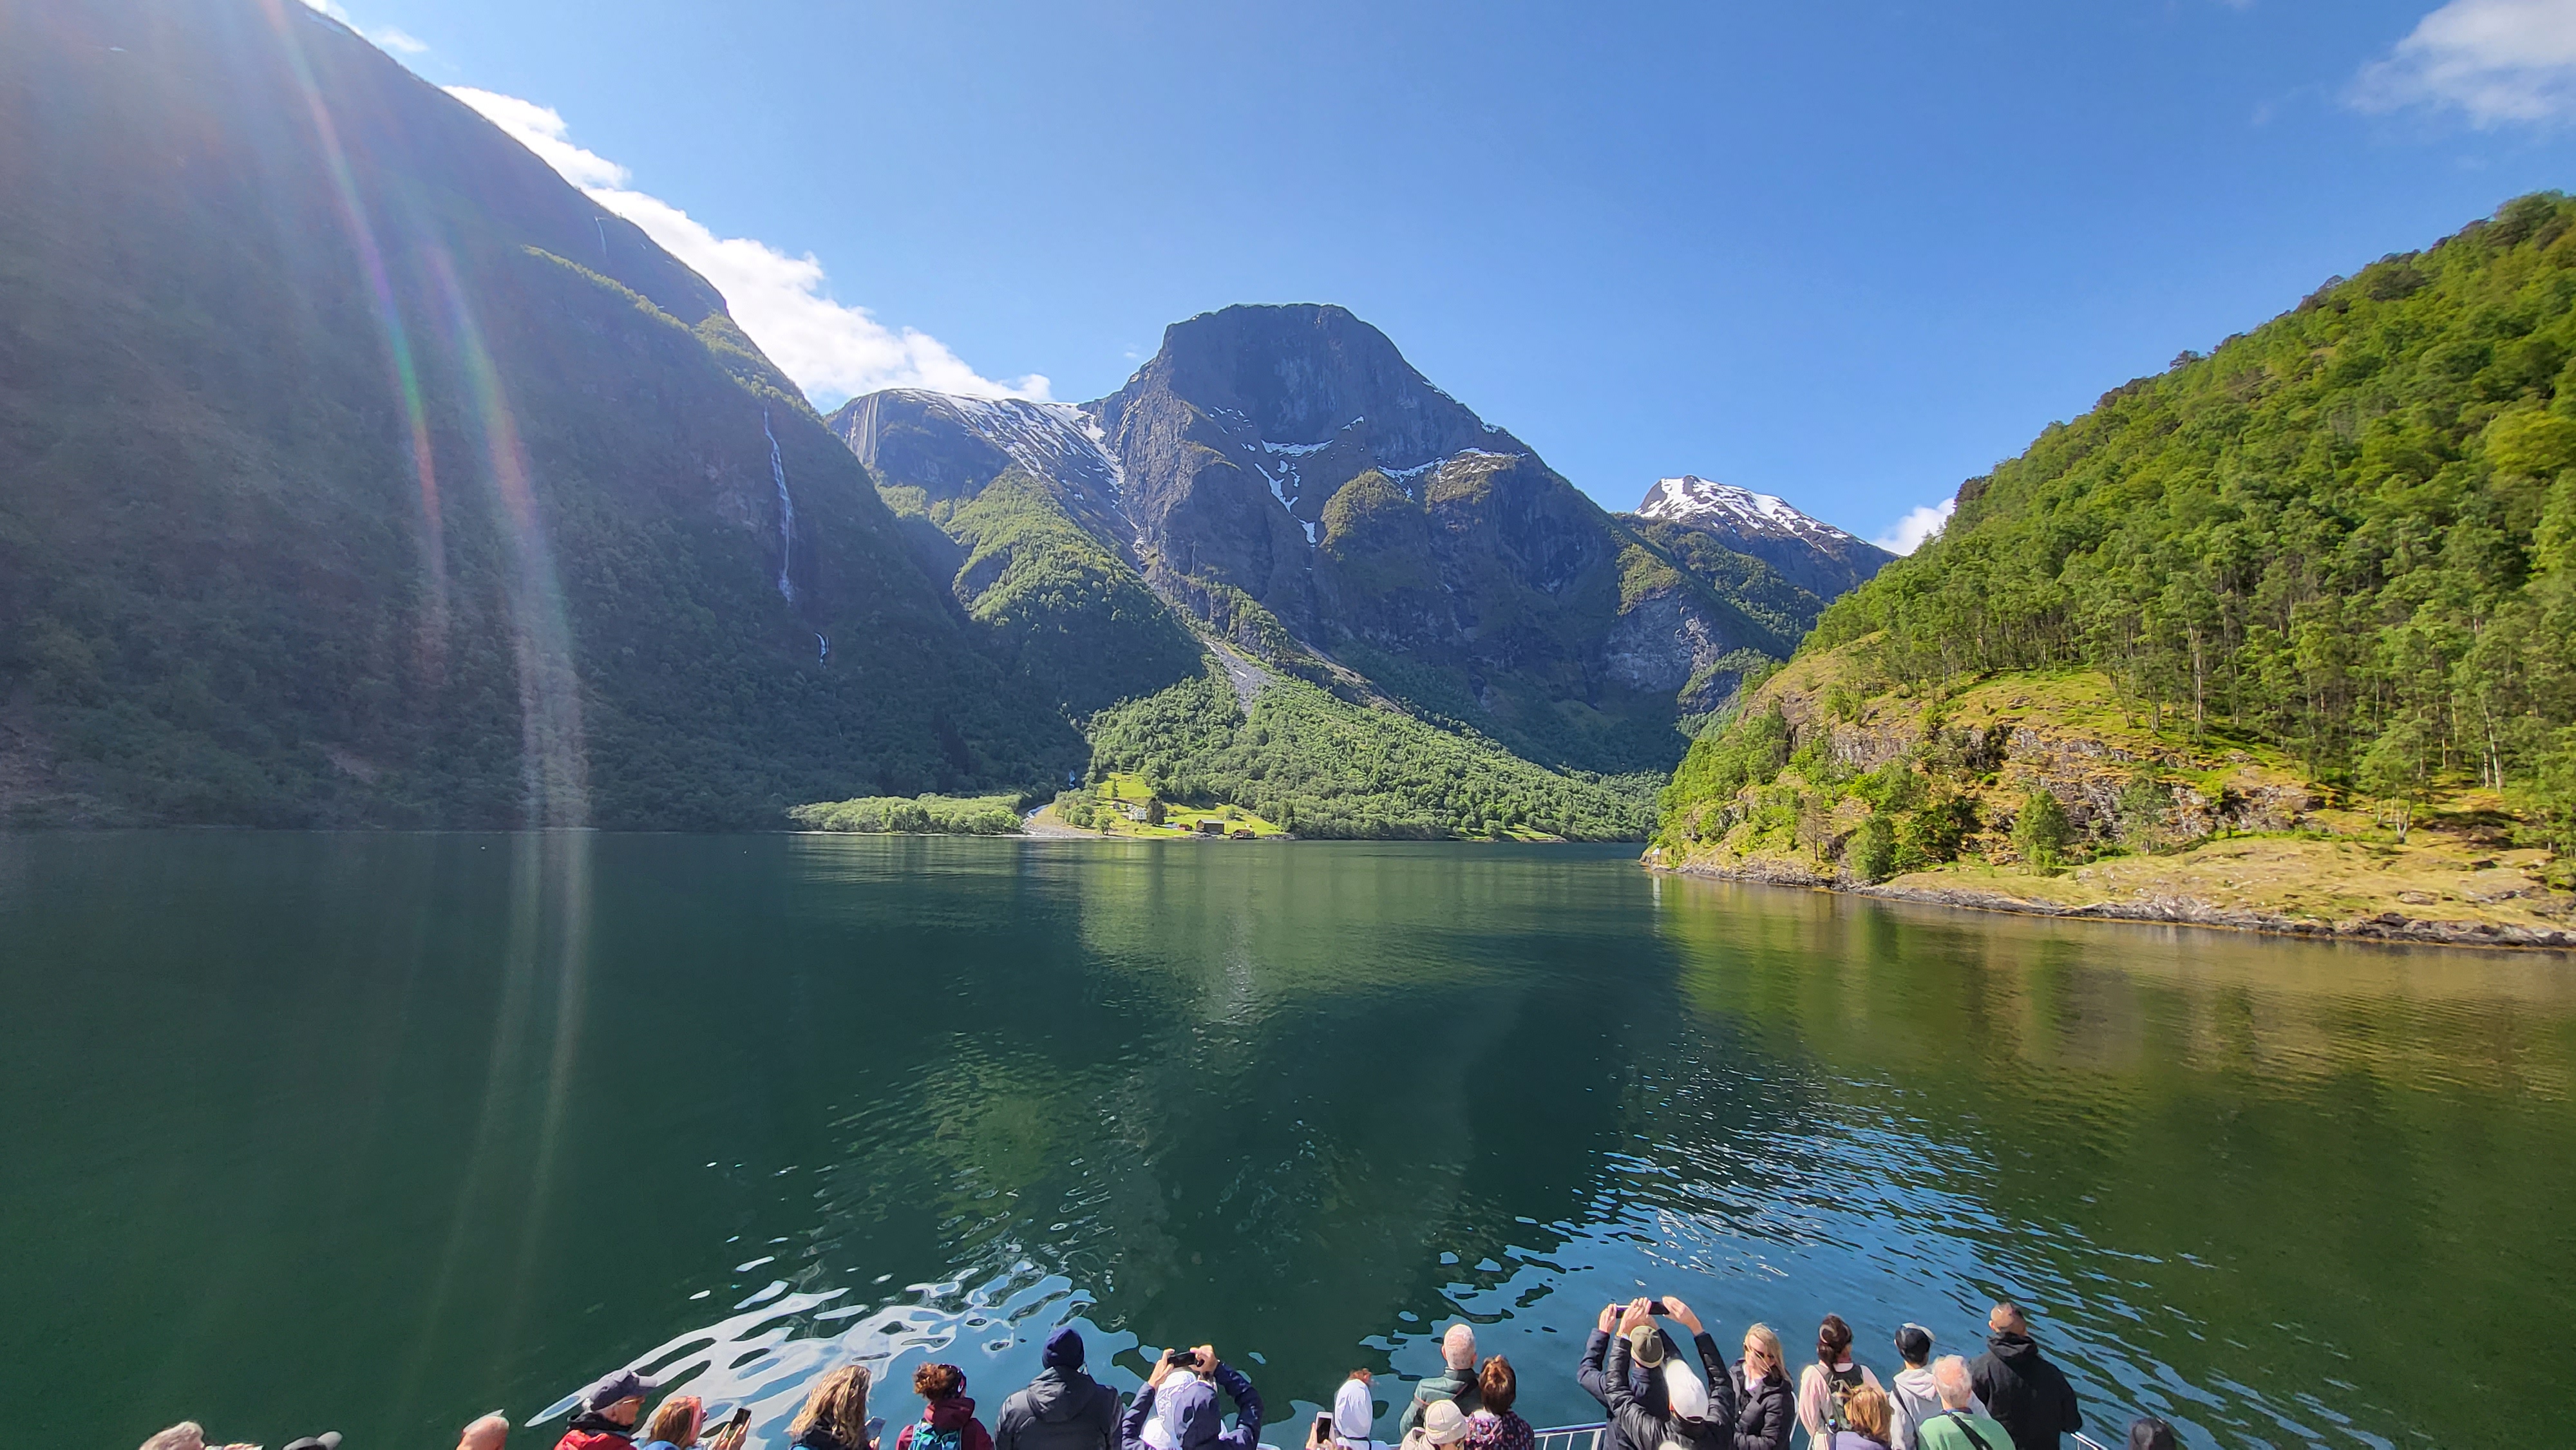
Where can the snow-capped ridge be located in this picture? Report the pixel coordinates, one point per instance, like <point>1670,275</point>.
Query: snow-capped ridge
<point>1691,498</point>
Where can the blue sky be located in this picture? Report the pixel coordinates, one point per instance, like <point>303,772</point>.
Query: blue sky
<point>1850,254</point>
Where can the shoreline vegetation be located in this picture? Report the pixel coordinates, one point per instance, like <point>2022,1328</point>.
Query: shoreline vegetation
<point>2283,637</point>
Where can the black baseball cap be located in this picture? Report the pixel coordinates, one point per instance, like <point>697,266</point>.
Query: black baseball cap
<point>626,1384</point>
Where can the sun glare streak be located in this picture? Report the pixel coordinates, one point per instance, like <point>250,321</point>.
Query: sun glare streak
<point>553,762</point>
<point>551,913</point>
<point>432,643</point>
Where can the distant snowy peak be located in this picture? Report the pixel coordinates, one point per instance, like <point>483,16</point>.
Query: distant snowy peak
<point>1691,499</point>
<point>1051,440</point>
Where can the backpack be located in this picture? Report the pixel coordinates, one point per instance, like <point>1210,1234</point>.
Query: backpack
<point>926,1436</point>
<point>1839,1389</point>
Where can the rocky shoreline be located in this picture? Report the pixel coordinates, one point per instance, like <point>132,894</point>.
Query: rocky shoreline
<point>2173,908</point>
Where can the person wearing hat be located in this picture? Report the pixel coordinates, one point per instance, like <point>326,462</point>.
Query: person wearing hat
<point>1644,1385</point>
<point>1064,1408</point>
<point>609,1410</point>
<point>1912,1392</point>
<point>1353,1423</point>
<point>1177,1409</point>
<point>1700,1412</point>
<point>1443,1424</point>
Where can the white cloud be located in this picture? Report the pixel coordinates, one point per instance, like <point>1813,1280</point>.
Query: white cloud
<point>1917,528</point>
<point>2497,60</point>
<point>541,129</point>
<point>832,350</point>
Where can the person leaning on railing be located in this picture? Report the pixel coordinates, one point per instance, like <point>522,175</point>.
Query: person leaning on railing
<point>1700,1412</point>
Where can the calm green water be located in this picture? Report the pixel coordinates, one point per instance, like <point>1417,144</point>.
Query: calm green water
<point>379,1132</point>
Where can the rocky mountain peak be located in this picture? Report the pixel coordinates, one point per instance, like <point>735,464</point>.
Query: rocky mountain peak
<point>1691,498</point>
<point>1809,552</point>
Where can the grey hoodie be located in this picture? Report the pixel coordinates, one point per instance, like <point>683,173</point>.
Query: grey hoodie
<point>1916,1400</point>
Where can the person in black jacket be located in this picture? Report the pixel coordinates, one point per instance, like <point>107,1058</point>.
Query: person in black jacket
<point>1063,1408</point>
<point>1766,1409</point>
<point>1700,1413</point>
<point>1644,1385</point>
<point>2021,1389</point>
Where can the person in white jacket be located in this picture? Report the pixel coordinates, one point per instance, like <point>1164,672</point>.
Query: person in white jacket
<point>1915,1397</point>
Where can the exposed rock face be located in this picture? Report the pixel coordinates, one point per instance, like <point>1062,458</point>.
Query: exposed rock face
<point>951,447</point>
<point>1283,476</point>
<point>1807,551</point>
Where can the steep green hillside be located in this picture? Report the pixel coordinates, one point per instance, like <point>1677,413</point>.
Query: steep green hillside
<point>1075,619</point>
<point>1320,765</point>
<point>2321,582</point>
<point>2350,532</point>
<point>354,469</point>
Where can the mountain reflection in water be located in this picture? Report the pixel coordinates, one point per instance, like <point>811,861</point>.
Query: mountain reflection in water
<point>385,1131</point>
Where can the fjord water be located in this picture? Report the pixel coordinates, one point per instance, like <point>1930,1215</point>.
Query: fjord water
<point>378,1132</point>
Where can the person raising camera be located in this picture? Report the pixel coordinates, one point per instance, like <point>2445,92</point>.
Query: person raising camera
<point>1177,1407</point>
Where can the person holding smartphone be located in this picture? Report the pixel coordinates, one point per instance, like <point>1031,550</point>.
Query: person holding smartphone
<point>1353,1418</point>
<point>1177,1408</point>
<point>1700,1406</point>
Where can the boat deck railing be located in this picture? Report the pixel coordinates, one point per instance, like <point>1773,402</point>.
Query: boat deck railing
<point>1588,1437</point>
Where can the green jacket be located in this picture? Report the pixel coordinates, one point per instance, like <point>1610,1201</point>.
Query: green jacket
<point>1446,1385</point>
<point>1950,1431</point>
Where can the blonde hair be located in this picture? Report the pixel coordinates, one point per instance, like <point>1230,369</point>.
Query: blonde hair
<point>839,1403</point>
<point>678,1420</point>
<point>1869,1412</point>
<point>1761,1338</point>
<point>181,1436</point>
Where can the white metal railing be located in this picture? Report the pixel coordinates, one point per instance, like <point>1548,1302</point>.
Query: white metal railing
<point>1569,1437</point>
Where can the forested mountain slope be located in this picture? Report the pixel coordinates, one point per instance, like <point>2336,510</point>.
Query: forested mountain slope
<point>2343,543</point>
<point>354,469</point>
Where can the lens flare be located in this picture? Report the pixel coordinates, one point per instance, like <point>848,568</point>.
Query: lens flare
<point>553,762</point>
<point>432,640</point>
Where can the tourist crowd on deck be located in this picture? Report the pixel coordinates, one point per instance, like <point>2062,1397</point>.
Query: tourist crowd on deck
<point>2009,1398</point>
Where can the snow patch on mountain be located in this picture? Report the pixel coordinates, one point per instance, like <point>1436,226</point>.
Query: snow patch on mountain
<point>1693,499</point>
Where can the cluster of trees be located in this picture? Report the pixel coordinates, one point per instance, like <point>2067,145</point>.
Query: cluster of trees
<point>1319,765</point>
<point>990,815</point>
<point>1750,773</point>
<point>2351,532</point>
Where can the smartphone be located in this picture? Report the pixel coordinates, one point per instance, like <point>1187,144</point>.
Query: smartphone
<point>1178,1355</point>
<point>876,1429</point>
<point>1323,1429</point>
<point>741,1417</point>
<point>1656,1308</point>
